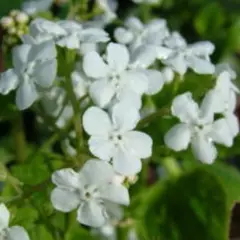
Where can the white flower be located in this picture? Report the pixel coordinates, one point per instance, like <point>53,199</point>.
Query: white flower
<point>34,6</point>
<point>90,190</point>
<point>34,68</point>
<point>10,233</point>
<point>223,99</point>
<point>112,78</point>
<point>136,34</point>
<point>113,139</point>
<point>197,128</point>
<point>181,56</point>
<point>65,33</point>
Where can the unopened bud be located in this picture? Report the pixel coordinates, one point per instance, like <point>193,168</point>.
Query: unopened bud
<point>14,13</point>
<point>22,18</point>
<point>12,31</point>
<point>6,22</point>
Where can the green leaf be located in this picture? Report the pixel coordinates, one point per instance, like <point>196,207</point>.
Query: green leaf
<point>229,178</point>
<point>33,172</point>
<point>193,206</point>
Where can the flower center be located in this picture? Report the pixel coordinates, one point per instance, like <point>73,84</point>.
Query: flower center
<point>30,68</point>
<point>89,192</point>
<point>116,138</point>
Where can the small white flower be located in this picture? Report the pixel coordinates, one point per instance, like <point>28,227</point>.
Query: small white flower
<point>65,33</point>
<point>136,34</point>
<point>91,190</point>
<point>197,128</point>
<point>112,78</point>
<point>34,6</point>
<point>34,68</point>
<point>181,56</point>
<point>223,99</point>
<point>113,138</point>
<point>10,233</point>
<point>109,7</point>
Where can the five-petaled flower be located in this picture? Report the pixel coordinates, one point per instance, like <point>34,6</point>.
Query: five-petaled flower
<point>113,138</point>
<point>91,190</point>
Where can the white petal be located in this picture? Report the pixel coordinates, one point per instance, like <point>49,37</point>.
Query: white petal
<point>155,81</point>
<point>101,147</point>
<point>94,66</point>
<point>80,83</point>
<point>8,81</point>
<point>124,118</point>
<point>168,75</point>
<point>178,137</point>
<point>134,24</point>
<point>91,214</point>
<point>67,178</point>
<point>138,144</point>
<point>212,103</point>
<point>94,35</point>
<point>203,149</point>
<point>17,233</point>
<point>185,108</point>
<point>122,35</point>
<point>70,42</point>
<point>129,98</point>
<point>177,62</point>
<point>26,94</point>
<point>200,66</point>
<point>115,193</point>
<point>88,47</point>
<point>136,80</point>
<point>96,122</point>
<point>43,51</point>
<point>126,164</point>
<point>203,48</point>
<point>20,56</point>
<point>143,56</point>
<point>163,52</point>
<point>101,92</point>
<point>221,133</point>
<point>45,73</point>
<point>117,57</point>
<point>233,124</point>
<point>64,200</point>
<point>97,172</point>
<point>4,216</point>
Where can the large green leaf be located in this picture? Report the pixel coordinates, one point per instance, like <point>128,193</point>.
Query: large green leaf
<point>193,206</point>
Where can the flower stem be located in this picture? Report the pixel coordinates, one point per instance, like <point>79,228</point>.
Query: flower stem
<point>161,112</point>
<point>172,167</point>
<point>19,138</point>
<point>74,102</point>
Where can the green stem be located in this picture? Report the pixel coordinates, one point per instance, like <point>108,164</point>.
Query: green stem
<point>19,138</point>
<point>172,166</point>
<point>161,112</point>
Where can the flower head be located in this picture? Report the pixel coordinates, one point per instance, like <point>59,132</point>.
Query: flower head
<point>91,190</point>
<point>197,128</point>
<point>113,138</point>
<point>34,68</point>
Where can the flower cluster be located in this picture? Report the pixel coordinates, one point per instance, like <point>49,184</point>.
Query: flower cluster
<point>104,88</point>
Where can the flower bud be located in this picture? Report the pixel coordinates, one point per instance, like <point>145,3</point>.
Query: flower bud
<point>6,22</point>
<point>12,31</point>
<point>14,13</point>
<point>22,18</point>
